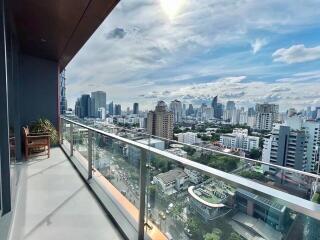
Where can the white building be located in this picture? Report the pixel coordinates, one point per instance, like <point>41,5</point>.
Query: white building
<point>153,142</point>
<point>285,146</point>
<point>176,109</point>
<point>172,181</point>
<point>188,137</point>
<point>251,122</point>
<point>266,116</point>
<point>102,113</point>
<point>178,151</point>
<point>235,117</point>
<point>312,130</point>
<point>239,139</point>
<point>143,122</point>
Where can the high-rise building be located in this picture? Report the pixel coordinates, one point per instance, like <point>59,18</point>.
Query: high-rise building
<point>136,108</point>
<point>176,109</point>
<point>102,113</point>
<point>77,108</point>
<point>63,99</point>
<point>218,111</point>
<point>235,116</point>
<point>99,100</point>
<point>312,131</point>
<point>266,116</point>
<point>110,108</point>
<point>184,110</point>
<point>117,109</point>
<point>190,110</point>
<point>251,112</point>
<point>285,147</point>
<point>214,102</point>
<point>160,122</point>
<point>230,105</point>
<point>205,113</point>
<point>83,106</point>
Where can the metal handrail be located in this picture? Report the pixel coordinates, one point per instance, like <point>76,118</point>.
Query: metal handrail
<point>293,202</point>
<point>287,169</point>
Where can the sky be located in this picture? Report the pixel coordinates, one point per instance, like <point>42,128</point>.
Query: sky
<point>248,51</point>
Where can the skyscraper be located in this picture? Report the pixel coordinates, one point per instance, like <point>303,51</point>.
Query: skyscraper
<point>136,108</point>
<point>231,105</point>
<point>99,100</point>
<point>176,108</point>
<point>63,99</point>
<point>214,102</point>
<point>190,110</point>
<point>266,116</point>
<point>218,111</point>
<point>82,106</point>
<point>110,108</point>
<point>160,121</point>
<point>117,109</point>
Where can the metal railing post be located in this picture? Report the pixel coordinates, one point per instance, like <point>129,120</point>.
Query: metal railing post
<point>71,139</point>
<point>61,128</point>
<point>89,154</point>
<point>142,204</point>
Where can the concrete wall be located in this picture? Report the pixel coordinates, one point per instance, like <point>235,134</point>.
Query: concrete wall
<point>38,88</point>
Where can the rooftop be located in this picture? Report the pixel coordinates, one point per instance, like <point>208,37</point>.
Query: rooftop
<point>172,175</point>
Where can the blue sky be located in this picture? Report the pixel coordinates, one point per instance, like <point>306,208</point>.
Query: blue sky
<point>242,50</point>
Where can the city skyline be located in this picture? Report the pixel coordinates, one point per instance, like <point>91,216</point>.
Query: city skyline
<point>258,52</point>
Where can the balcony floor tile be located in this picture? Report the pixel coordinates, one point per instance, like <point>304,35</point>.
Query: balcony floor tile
<point>53,202</point>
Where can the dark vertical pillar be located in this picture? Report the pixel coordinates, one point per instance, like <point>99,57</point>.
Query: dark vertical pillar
<point>4,120</point>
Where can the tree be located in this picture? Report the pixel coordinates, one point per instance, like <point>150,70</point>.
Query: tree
<point>215,235</point>
<point>189,150</point>
<point>215,137</point>
<point>255,153</point>
<point>234,236</point>
<point>193,225</point>
<point>253,175</point>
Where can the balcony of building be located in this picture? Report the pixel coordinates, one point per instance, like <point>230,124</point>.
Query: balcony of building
<point>100,185</point>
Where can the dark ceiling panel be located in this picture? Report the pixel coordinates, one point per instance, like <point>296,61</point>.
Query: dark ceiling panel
<point>57,29</point>
<point>95,14</point>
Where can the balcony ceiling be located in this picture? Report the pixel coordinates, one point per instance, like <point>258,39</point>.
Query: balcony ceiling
<point>57,29</point>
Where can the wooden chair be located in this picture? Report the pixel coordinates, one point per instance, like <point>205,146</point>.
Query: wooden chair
<point>35,140</point>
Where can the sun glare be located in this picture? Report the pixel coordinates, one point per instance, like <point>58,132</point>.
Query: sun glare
<point>171,7</point>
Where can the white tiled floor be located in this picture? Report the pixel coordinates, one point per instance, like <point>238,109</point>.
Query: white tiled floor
<point>54,203</point>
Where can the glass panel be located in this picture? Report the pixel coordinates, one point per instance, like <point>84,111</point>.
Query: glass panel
<point>119,163</point>
<point>80,140</point>
<point>188,204</point>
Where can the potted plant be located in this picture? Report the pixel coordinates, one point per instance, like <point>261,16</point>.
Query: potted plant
<point>43,125</point>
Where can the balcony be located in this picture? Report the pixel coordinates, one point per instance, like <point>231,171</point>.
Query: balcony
<point>54,202</point>
<point>120,171</point>
<point>102,185</point>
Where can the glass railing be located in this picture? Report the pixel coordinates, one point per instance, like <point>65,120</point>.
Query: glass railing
<point>295,182</point>
<point>190,192</point>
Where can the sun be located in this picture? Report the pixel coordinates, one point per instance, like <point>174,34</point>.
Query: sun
<point>171,7</point>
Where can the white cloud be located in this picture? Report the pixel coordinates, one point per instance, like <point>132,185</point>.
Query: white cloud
<point>296,54</point>
<point>287,94</point>
<point>258,44</point>
<point>149,52</point>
